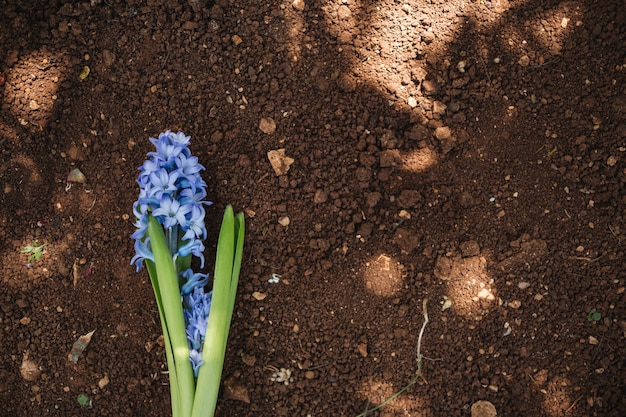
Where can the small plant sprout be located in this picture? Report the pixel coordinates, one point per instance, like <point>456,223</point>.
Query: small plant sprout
<point>34,250</point>
<point>83,400</point>
<point>418,373</point>
<point>594,315</point>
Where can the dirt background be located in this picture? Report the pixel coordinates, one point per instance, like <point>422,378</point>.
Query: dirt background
<point>470,151</point>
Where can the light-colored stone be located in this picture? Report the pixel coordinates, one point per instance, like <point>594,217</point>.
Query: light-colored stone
<point>237,40</point>
<point>279,161</point>
<point>524,61</point>
<point>103,382</point>
<point>483,409</point>
<point>267,125</point>
<point>439,108</point>
<point>443,133</point>
<point>320,197</point>
<point>485,294</point>
<point>298,5</point>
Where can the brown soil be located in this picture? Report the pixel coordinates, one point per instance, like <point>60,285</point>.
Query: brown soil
<point>468,150</point>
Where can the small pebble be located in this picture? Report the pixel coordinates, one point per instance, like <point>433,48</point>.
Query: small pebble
<point>267,125</point>
<point>298,5</point>
<point>483,409</point>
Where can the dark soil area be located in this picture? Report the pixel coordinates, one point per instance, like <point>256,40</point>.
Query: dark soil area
<point>471,153</point>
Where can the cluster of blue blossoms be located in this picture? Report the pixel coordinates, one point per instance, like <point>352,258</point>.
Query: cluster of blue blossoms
<point>172,191</point>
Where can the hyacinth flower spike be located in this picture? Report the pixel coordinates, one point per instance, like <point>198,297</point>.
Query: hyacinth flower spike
<point>170,223</point>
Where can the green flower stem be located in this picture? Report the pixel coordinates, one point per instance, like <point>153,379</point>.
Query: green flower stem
<point>175,400</point>
<point>174,323</point>
<point>226,277</point>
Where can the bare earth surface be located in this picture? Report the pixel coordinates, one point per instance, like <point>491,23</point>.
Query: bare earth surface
<point>471,153</point>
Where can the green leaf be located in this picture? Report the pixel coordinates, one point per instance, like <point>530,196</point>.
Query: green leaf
<point>27,249</point>
<point>83,400</point>
<point>594,316</point>
<point>225,280</point>
<point>172,320</point>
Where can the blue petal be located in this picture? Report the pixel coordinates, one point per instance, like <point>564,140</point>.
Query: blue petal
<point>193,281</point>
<point>194,247</point>
<point>195,358</point>
<point>142,251</point>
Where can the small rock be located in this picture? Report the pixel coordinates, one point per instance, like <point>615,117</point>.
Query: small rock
<point>362,347</point>
<point>593,340</point>
<point>249,360</point>
<point>485,294</point>
<point>483,409</point>
<point>412,102</point>
<point>284,221</point>
<point>443,133</point>
<point>428,37</point>
<point>29,369</point>
<point>443,268</point>
<point>439,108</point>
<point>259,296</point>
<point>524,61</point>
<point>344,12</point>
<point>267,125</point>
<point>279,161</point>
<point>234,390</point>
<point>103,382</point>
<point>429,86</point>
<point>309,374</point>
<point>237,40</point>
<point>523,285</point>
<point>33,105</point>
<point>320,197</point>
<point>470,248</point>
<point>76,175</point>
<point>515,304</point>
<point>298,5</point>
<point>611,161</point>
